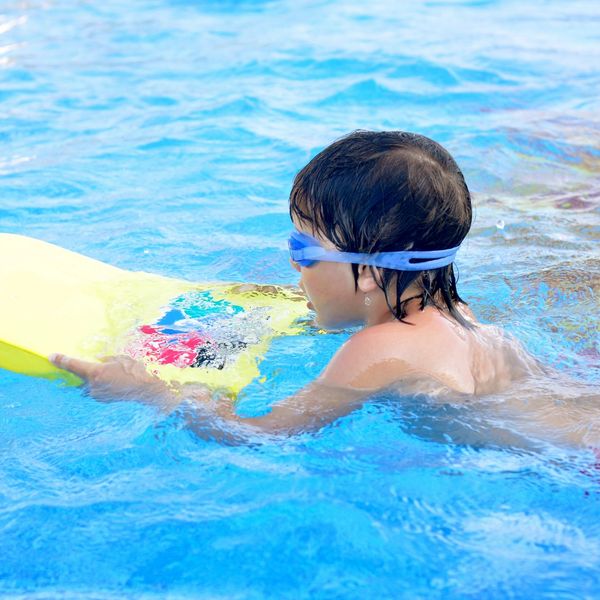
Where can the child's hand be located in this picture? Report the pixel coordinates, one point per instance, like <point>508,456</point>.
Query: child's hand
<point>115,377</point>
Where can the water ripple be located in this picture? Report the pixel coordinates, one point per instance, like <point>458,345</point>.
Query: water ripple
<point>164,135</point>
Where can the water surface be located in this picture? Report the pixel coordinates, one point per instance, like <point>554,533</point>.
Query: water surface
<point>163,135</point>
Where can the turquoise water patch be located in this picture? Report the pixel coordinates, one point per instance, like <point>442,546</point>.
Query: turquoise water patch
<point>163,135</point>
<point>197,305</point>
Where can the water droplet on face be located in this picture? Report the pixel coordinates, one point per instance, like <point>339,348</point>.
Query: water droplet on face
<point>500,224</point>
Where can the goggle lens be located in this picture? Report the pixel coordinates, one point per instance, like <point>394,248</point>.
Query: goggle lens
<point>297,243</point>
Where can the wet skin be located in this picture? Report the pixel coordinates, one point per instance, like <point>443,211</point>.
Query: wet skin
<point>429,350</point>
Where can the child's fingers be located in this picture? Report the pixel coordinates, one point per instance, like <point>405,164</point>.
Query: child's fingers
<point>82,368</point>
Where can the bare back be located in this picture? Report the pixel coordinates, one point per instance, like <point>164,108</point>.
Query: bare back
<point>431,346</point>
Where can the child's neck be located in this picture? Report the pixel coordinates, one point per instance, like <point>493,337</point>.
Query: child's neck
<point>379,312</point>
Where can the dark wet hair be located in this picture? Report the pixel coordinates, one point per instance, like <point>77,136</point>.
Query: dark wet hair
<point>387,191</point>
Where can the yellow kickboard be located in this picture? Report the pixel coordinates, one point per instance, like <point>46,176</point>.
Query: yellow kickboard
<point>54,300</point>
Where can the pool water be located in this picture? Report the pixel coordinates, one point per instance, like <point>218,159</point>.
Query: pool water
<point>163,135</point>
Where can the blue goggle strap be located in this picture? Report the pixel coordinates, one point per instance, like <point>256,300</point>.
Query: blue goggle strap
<point>306,255</point>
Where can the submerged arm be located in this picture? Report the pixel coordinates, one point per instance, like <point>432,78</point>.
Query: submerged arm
<point>311,408</point>
<point>208,414</point>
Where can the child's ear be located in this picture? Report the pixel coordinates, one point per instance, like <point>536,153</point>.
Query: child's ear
<point>366,279</point>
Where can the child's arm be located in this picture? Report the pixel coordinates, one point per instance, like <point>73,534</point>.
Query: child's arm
<point>370,360</point>
<point>314,406</point>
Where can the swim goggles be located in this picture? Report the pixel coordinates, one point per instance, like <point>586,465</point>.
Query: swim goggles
<point>306,250</point>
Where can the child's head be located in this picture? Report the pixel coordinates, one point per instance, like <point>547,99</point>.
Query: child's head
<point>387,191</point>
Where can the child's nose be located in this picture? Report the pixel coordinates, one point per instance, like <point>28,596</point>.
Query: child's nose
<point>295,265</point>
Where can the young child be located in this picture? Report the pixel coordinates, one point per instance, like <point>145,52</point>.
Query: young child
<point>378,218</point>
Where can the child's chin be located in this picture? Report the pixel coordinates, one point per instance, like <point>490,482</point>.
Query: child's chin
<point>324,323</point>
<point>333,324</point>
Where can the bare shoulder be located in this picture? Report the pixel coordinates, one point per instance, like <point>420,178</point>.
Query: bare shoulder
<point>430,347</point>
<point>374,358</point>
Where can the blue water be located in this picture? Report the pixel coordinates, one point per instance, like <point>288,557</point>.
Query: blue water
<point>163,135</point>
